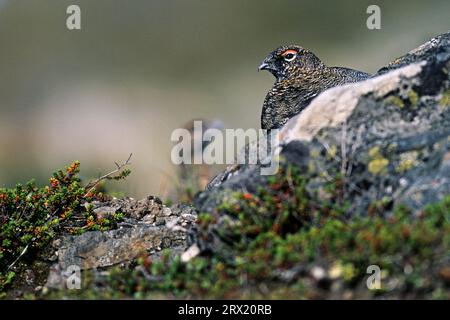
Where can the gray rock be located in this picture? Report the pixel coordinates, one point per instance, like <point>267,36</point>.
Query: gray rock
<point>101,249</point>
<point>105,212</point>
<point>160,221</point>
<point>161,227</point>
<point>135,209</point>
<point>388,137</point>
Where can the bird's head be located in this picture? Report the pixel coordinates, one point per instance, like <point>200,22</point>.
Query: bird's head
<point>290,61</point>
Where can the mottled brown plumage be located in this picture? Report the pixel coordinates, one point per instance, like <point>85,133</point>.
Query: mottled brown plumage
<point>300,76</point>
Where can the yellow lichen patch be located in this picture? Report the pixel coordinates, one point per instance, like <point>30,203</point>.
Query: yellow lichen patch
<point>445,99</point>
<point>396,101</point>
<point>331,152</point>
<point>324,175</point>
<point>391,147</point>
<point>378,163</point>
<point>375,152</point>
<point>314,153</point>
<point>407,161</point>
<point>413,97</point>
<point>378,166</point>
<point>311,166</point>
<point>404,165</point>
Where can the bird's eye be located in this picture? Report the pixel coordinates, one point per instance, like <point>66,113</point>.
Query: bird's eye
<point>289,55</point>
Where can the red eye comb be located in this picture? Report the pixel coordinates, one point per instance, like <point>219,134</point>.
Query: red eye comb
<point>288,52</point>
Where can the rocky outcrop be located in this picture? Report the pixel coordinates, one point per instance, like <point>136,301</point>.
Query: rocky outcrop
<point>388,137</point>
<point>379,143</point>
<point>148,228</point>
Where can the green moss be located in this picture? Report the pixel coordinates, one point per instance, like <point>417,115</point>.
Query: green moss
<point>32,216</point>
<point>282,227</point>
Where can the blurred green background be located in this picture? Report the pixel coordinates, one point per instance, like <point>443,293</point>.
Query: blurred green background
<point>139,69</point>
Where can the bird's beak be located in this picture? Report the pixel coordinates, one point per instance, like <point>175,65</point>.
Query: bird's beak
<point>263,66</point>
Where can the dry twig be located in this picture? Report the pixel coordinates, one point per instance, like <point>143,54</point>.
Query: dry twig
<point>18,258</point>
<point>92,185</point>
